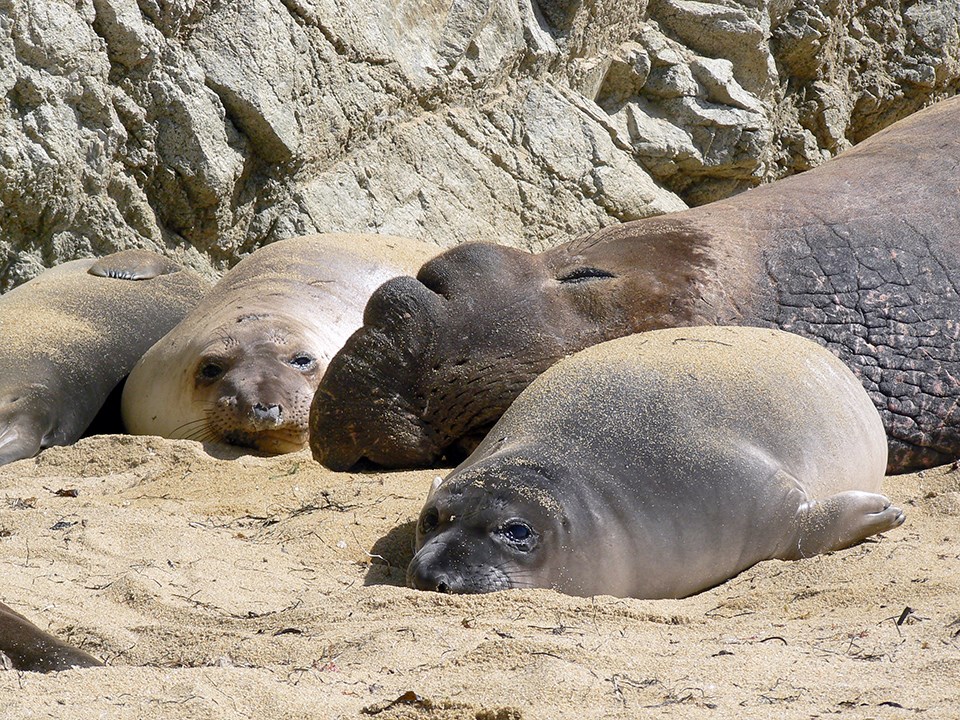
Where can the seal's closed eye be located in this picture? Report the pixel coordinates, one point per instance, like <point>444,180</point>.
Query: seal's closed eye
<point>585,274</point>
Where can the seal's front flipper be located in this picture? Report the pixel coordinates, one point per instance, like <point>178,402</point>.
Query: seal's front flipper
<point>20,437</point>
<point>842,520</point>
<point>28,422</point>
<point>30,648</point>
<point>133,265</point>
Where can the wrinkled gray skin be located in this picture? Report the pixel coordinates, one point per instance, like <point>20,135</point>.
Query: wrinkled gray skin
<point>68,337</point>
<point>659,465</point>
<point>861,254</point>
<point>30,648</point>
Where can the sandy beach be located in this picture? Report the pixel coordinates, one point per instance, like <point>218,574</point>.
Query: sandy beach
<point>227,586</point>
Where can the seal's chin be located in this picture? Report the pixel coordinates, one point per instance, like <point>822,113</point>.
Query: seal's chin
<point>272,442</point>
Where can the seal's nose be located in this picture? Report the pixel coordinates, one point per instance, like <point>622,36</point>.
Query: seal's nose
<point>421,576</point>
<point>267,413</point>
<point>367,405</point>
<point>400,302</point>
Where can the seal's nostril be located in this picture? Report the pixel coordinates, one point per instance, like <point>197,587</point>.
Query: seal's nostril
<point>267,412</point>
<point>442,587</point>
<point>434,279</point>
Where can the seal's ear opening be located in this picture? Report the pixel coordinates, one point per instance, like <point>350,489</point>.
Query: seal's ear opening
<point>584,274</point>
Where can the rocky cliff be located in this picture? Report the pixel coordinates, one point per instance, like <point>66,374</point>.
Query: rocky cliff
<point>205,128</point>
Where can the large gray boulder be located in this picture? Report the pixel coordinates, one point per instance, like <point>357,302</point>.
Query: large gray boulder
<point>204,129</point>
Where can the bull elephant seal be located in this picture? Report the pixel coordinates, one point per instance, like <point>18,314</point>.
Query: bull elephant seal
<point>30,648</point>
<point>659,465</point>
<point>69,336</point>
<point>861,253</point>
<point>242,368</point>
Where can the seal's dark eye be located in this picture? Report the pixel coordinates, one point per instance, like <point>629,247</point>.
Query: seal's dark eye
<point>429,521</point>
<point>585,274</point>
<point>518,534</point>
<point>303,362</point>
<point>210,371</point>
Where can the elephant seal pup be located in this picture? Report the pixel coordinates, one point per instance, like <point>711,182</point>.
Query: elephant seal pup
<point>659,465</point>
<point>70,336</point>
<point>242,368</point>
<point>861,253</point>
<point>30,648</point>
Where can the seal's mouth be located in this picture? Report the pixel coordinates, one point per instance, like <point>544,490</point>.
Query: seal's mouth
<point>440,567</point>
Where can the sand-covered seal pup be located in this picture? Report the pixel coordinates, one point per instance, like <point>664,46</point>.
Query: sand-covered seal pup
<point>30,648</point>
<point>661,464</point>
<point>69,336</point>
<point>861,253</point>
<point>242,368</point>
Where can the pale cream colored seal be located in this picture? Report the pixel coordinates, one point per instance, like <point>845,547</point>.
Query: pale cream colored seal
<point>242,368</point>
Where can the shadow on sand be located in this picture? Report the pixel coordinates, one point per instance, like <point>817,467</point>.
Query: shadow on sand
<point>390,556</point>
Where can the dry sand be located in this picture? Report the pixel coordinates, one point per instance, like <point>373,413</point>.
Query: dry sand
<point>272,588</point>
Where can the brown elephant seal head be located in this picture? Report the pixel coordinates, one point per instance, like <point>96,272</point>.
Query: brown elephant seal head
<point>440,357</point>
